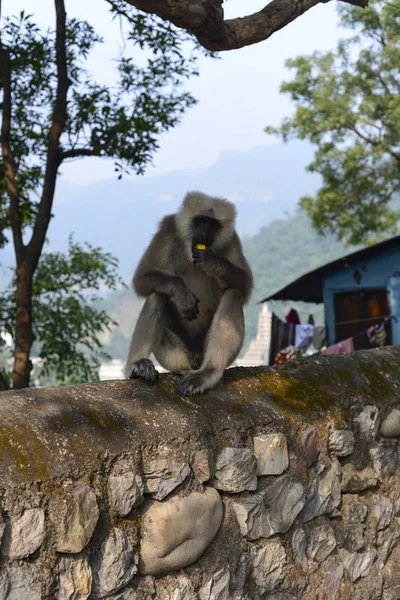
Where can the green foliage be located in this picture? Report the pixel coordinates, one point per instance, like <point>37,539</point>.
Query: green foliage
<point>122,121</point>
<point>68,320</point>
<point>296,247</point>
<point>348,105</point>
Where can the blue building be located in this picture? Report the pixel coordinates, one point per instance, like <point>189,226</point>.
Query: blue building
<point>357,290</point>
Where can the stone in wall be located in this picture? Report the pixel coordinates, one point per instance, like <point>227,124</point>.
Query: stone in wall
<point>163,475</point>
<point>2,527</point>
<point>381,512</point>
<point>367,423</point>
<point>321,540</point>
<point>299,547</point>
<point>391,576</point>
<point>217,586</point>
<point>387,540</point>
<point>141,588</point>
<point>19,583</point>
<point>281,596</point>
<point>269,565</point>
<point>27,533</point>
<point>384,458</point>
<point>235,470</point>
<point>129,594</point>
<point>79,518</point>
<point>358,564</point>
<point>349,529</point>
<point>309,441</point>
<point>354,480</point>
<point>395,496</point>
<point>284,499</point>
<point>125,492</point>
<point>341,442</point>
<point>369,587</point>
<point>175,533</point>
<point>390,426</point>
<point>180,588</point>
<point>272,511</point>
<point>251,515</point>
<point>324,493</point>
<point>334,572</point>
<point>75,579</point>
<point>271,453</point>
<point>203,465</point>
<point>117,564</point>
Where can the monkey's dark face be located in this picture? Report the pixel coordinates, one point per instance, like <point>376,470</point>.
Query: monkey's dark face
<point>205,230</point>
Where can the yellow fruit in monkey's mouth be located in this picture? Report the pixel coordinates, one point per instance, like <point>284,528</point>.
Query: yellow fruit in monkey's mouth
<point>200,247</point>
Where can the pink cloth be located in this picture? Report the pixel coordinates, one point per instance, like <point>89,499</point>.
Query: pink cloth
<point>339,348</point>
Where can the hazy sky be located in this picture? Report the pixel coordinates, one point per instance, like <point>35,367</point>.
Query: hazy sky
<point>238,95</point>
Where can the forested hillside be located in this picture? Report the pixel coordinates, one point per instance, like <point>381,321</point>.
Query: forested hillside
<point>279,253</point>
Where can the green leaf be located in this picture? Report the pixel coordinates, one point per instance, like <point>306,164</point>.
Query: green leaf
<point>347,103</point>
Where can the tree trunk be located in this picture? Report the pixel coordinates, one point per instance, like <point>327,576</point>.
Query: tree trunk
<point>23,328</point>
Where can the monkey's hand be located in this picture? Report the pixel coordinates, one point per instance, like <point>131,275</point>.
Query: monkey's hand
<point>201,258</point>
<point>186,303</point>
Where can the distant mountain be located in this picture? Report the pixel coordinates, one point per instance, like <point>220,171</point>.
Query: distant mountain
<point>121,216</point>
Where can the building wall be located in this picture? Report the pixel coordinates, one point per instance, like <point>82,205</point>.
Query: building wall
<point>376,272</point>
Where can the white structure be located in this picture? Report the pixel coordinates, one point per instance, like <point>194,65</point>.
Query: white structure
<point>114,369</point>
<point>255,354</point>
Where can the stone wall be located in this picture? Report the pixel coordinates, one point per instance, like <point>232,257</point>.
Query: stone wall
<point>281,484</point>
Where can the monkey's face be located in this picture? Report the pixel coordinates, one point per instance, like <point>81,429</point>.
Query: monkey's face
<point>204,230</point>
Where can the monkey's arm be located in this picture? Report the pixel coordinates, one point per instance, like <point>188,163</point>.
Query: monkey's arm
<point>154,281</point>
<point>231,271</point>
<point>155,274</point>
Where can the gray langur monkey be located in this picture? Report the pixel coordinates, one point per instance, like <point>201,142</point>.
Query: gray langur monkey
<point>192,319</point>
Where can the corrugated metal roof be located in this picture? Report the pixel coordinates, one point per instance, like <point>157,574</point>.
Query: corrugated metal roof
<point>308,287</point>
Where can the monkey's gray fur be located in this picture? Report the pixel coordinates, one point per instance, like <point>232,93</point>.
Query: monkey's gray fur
<point>192,319</point>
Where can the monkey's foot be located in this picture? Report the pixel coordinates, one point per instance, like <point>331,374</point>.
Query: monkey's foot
<point>144,369</point>
<point>197,382</point>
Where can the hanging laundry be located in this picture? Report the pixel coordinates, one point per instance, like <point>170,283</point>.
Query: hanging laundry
<point>304,336</point>
<point>377,334</point>
<point>282,335</point>
<point>339,348</point>
<point>286,354</point>
<point>319,337</point>
<point>292,317</point>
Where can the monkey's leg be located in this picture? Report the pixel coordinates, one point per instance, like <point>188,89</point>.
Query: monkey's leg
<point>172,353</point>
<point>224,340</point>
<point>145,338</point>
<point>152,334</point>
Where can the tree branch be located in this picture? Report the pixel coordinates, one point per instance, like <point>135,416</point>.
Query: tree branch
<point>77,153</point>
<point>8,160</point>
<point>360,3</point>
<point>54,155</point>
<point>373,142</point>
<point>205,19</point>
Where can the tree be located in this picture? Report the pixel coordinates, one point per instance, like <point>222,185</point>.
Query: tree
<point>68,318</point>
<point>348,105</point>
<point>52,112</point>
<point>205,19</point>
